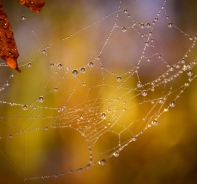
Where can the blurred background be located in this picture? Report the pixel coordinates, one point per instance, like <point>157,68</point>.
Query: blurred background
<point>64,86</point>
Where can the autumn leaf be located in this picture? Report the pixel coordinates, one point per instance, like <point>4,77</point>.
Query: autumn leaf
<point>8,49</point>
<point>34,5</point>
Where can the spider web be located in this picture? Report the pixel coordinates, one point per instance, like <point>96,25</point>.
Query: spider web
<point>92,82</point>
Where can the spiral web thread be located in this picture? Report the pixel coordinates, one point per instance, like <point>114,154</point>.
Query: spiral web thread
<point>107,98</point>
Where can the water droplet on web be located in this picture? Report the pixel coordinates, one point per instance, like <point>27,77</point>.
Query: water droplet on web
<point>82,70</point>
<point>87,166</point>
<point>154,122</point>
<point>44,51</point>
<point>124,29</point>
<point>190,73</point>
<point>75,73</point>
<point>148,59</point>
<point>171,69</point>
<point>102,162</point>
<point>172,104</point>
<point>23,18</point>
<point>134,139</point>
<point>116,154</point>
<point>119,79</point>
<point>29,65</point>
<point>109,123</point>
<point>41,99</point>
<point>166,109</point>
<point>98,58</point>
<point>83,83</point>
<point>186,84</point>
<point>7,83</point>
<point>80,169</point>
<point>125,11</point>
<point>144,93</point>
<point>170,24</point>
<point>191,38</point>
<point>11,104</point>
<point>147,43</point>
<point>142,26</point>
<point>178,66</point>
<point>25,107</point>
<point>103,115</point>
<point>148,25</point>
<point>10,136</point>
<point>59,66</point>
<point>90,64</point>
<point>52,65</point>
<point>46,128</point>
<point>139,84</point>
<point>55,89</point>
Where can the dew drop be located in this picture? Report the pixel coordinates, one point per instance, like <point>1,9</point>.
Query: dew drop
<point>46,128</point>
<point>172,104</point>
<point>83,83</point>
<point>148,59</point>
<point>29,65</point>
<point>5,25</point>
<point>109,123</point>
<point>125,11</point>
<point>87,166</point>
<point>116,154</point>
<point>10,136</point>
<point>52,65</point>
<point>41,99</point>
<point>80,170</point>
<point>154,122</point>
<point>98,58</point>
<point>59,66</point>
<point>139,84</point>
<point>90,64</point>
<point>55,89</point>
<point>142,26</point>
<point>75,73</point>
<point>11,104</point>
<point>44,51</point>
<point>124,29</point>
<point>190,73</point>
<point>103,115</point>
<point>166,109</point>
<point>171,69</point>
<point>133,139</point>
<point>82,70</point>
<point>191,38</point>
<point>119,79</point>
<point>7,83</point>
<point>170,24</point>
<point>144,93</point>
<point>23,18</point>
<point>148,25</point>
<point>25,107</point>
<point>102,162</point>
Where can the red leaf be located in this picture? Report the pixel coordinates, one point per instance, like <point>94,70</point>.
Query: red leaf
<point>34,5</point>
<point>8,49</point>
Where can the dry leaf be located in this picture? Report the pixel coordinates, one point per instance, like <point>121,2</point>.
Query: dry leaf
<point>34,5</point>
<point>8,48</point>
